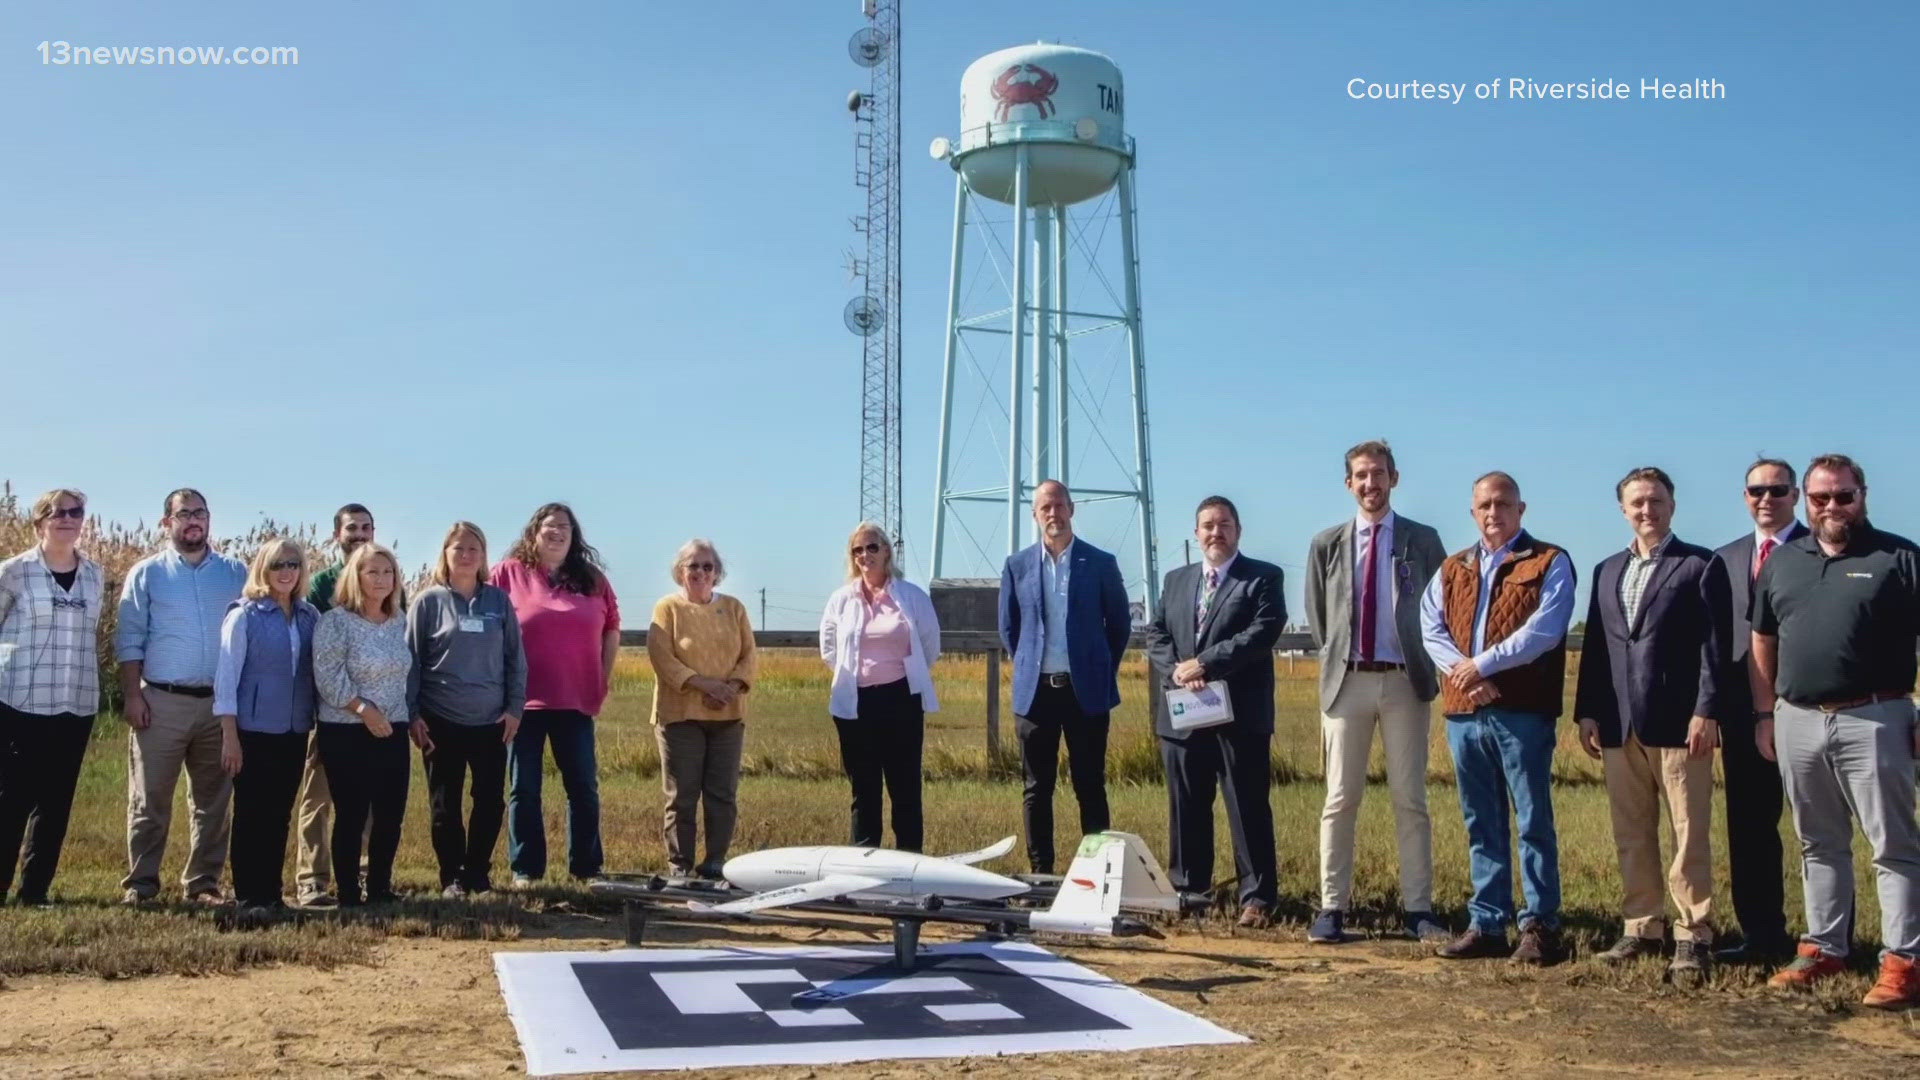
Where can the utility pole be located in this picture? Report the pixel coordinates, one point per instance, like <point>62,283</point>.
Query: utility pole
<point>763,607</point>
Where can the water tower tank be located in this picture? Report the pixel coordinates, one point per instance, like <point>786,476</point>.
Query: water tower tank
<point>1063,104</point>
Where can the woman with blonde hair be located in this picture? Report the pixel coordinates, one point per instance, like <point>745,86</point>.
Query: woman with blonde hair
<point>50,597</point>
<point>879,636</point>
<point>701,646</point>
<point>367,683</point>
<point>473,687</point>
<point>263,697</point>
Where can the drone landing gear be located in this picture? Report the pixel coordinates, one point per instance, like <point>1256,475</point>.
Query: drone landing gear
<point>906,943</point>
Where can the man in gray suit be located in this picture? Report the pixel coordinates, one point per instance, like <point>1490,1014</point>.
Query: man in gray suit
<point>1364,579</point>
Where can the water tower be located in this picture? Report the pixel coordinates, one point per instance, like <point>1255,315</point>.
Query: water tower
<point>1043,132</point>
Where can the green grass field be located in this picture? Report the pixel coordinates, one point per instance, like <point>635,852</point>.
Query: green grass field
<point>793,794</point>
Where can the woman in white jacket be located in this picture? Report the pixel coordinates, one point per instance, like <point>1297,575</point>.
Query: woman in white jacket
<point>880,637</point>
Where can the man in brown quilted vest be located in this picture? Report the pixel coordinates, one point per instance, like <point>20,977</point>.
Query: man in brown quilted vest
<point>1494,620</point>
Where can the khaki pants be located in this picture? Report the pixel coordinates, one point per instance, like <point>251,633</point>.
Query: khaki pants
<point>1639,779</point>
<point>313,867</point>
<point>699,768</point>
<point>1370,699</point>
<point>182,733</point>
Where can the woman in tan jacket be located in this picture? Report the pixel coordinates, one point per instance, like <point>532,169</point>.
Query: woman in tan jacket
<point>701,646</point>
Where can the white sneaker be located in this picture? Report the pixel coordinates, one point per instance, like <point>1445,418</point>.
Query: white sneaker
<point>522,881</point>
<point>454,892</point>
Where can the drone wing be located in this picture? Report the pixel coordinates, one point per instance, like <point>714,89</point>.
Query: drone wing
<point>825,888</point>
<point>984,853</point>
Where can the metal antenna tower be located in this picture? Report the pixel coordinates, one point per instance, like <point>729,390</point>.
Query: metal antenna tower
<point>875,315</point>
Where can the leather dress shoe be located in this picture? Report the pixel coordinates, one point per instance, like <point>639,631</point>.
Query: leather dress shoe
<point>1770,953</point>
<point>1255,916</point>
<point>1473,945</point>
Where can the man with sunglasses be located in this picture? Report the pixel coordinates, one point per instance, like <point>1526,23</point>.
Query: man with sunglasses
<point>168,645</point>
<point>1836,619</point>
<point>1754,799</point>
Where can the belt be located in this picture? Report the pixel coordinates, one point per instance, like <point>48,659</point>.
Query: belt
<point>1374,665</point>
<point>1854,703</point>
<point>1055,678</point>
<point>185,691</point>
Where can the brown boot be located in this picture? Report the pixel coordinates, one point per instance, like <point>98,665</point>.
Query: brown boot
<point>1899,985</point>
<point>1473,945</point>
<point>1539,945</point>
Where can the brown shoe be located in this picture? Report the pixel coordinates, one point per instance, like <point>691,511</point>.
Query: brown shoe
<point>1255,916</point>
<point>1629,948</point>
<point>1808,968</point>
<point>1692,963</point>
<point>1473,945</point>
<point>1899,985</point>
<point>1539,945</point>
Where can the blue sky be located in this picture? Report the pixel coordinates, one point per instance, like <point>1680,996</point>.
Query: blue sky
<point>466,258</point>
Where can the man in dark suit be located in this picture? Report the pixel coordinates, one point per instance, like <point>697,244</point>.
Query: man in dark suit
<point>1217,621</point>
<point>1648,703</point>
<point>1064,619</point>
<point>1364,579</point>
<point>1754,796</point>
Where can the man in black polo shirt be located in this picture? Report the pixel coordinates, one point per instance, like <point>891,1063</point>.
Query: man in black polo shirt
<point>1836,617</point>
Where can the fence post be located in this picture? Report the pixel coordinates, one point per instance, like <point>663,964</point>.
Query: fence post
<point>993,706</point>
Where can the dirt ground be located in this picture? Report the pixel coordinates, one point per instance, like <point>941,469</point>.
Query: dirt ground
<point>1374,1009</point>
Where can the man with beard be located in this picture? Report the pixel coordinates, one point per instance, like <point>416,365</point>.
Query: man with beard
<point>1364,578</point>
<point>1836,618</point>
<point>168,644</point>
<point>1754,798</point>
<point>1217,621</point>
<point>1064,620</point>
<point>313,867</point>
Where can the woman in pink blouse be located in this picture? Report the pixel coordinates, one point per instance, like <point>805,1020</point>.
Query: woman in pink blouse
<point>880,637</point>
<point>570,628</point>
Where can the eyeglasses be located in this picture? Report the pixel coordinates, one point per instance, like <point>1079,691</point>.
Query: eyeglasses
<point>1768,491</point>
<point>190,515</point>
<point>703,567</point>
<point>1843,497</point>
<point>77,513</point>
<point>868,548</point>
<point>284,564</point>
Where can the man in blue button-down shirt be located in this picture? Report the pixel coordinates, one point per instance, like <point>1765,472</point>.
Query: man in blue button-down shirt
<point>168,644</point>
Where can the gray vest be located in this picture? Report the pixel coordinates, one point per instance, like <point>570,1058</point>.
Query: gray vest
<point>276,696</point>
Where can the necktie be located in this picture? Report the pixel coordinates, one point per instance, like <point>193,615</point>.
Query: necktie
<point>1766,550</point>
<point>1368,617</point>
<point>1206,598</point>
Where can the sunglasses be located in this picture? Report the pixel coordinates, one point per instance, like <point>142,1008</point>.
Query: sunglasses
<point>868,548</point>
<point>77,513</point>
<point>703,567</point>
<point>1843,497</point>
<point>1768,491</point>
<point>284,564</point>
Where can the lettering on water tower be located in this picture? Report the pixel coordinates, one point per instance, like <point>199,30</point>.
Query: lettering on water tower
<point>1109,98</point>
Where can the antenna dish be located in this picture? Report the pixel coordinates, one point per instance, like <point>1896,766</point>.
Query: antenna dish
<point>868,47</point>
<point>865,315</point>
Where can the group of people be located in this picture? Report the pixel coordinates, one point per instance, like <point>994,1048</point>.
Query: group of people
<point>1791,650</point>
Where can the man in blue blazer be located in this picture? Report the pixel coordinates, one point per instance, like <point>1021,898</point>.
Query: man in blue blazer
<point>1218,621</point>
<point>1649,704</point>
<point>1064,619</point>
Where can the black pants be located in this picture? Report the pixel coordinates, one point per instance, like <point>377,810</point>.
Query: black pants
<point>39,767</point>
<point>1056,712</point>
<point>882,745</point>
<point>1242,763</point>
<point>1755,873</point>
<point>368,779</point>
<point>465,852</point>
<point>263,794</point>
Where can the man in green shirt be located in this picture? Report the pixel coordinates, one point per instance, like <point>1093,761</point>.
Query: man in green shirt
<point>352,526</point>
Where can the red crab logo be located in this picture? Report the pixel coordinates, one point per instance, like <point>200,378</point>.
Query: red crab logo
<point>1025,84</point>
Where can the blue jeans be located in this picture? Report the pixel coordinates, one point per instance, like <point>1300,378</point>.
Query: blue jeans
<point>1502,757</point>
<point>572,736</point>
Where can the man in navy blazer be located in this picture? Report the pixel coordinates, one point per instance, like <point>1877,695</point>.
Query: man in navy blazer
<point>1065,621</point>
<point>1755,799</point>
<point>1218,620</point>
<point>1648,702</point>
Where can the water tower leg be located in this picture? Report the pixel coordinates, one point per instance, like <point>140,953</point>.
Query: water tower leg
<point>1143,462</point>
<point>1018,329</point>
<point>1062,395</point>
<point>946,376</point>
<point>1042,338</point>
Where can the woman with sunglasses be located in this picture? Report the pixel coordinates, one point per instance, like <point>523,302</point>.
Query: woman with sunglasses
<point>880,637</point>
<point>701,646</point>
<point>49,688</point>
<point>265,701</point>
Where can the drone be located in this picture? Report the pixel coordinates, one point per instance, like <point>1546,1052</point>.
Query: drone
<point>1113,882</point>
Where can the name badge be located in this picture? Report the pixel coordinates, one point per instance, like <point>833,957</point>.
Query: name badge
<point>473,624</point>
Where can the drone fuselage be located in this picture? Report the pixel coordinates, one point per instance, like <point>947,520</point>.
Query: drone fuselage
<point>901,873</point>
